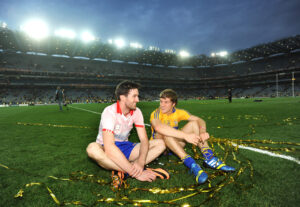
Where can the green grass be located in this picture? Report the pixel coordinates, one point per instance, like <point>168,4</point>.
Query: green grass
<point>40,141</point>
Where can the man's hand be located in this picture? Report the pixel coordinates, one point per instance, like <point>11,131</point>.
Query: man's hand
<point>192,138</point>
<point>147,175</point>
<point>204,136</point>
<point>138,168</point>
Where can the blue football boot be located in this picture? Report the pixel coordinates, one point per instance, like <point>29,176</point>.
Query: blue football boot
<point>215,163</point>
<point>200,175</point>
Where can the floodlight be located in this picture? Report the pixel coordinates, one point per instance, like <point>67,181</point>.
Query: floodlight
<point>119,43</point>
<point>3,25</point>
<point>135,45</point>
<point>184,54</point>
<point>35,28</point>
<point>65,33</point>
<point>110,41</point>
<point>223,53</point>
<point>220,54</point>
<point>87,37</point>
<point>154,48</point>
<point>170,51</point>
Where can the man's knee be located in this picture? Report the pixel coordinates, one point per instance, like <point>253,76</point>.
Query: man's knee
<point>193,123</point>
<point>191,127</point>
<point>170,141</point>
<point>160,143</point>
<point>93,150</point>
<point>90,149</point>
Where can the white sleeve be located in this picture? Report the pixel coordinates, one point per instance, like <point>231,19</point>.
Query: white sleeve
<point>138,118</point>
<point>108,120</point>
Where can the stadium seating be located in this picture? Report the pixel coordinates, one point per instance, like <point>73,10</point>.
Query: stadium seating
<point>30,72</point>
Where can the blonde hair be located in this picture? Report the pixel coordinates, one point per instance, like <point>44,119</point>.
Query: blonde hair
<point>169,93</point>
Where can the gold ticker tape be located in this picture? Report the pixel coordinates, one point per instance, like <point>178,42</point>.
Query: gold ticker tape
<point>53,125</point>
<point>211,189</point>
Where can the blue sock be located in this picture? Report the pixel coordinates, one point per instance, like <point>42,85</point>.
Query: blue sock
<point>207,153</point>
<point>188,161</point>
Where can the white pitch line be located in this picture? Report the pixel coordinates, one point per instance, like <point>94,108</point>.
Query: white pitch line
<point>94,112</point>
<point>268,153</point>
<point>240,146</point>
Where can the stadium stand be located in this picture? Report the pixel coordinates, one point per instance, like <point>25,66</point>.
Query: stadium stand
<point>30,71</point>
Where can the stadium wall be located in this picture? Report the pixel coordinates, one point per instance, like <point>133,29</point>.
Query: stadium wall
<point>19,71</point>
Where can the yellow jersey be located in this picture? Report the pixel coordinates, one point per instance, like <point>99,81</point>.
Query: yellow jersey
<point>171,120</point>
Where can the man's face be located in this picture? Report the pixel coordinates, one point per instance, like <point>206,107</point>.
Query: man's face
<point>131,99</point>
<point>166,105</point>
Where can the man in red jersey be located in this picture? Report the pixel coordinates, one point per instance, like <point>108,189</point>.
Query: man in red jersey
<point>113,151</point>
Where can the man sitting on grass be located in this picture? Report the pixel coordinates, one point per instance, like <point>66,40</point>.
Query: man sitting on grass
<point>164,122</point>
<point>113,151</point>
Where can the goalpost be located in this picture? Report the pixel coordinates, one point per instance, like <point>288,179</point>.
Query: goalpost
<point>285,80</point>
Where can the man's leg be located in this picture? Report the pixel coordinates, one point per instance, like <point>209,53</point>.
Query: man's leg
<point>156,147</point>
<point>193,127</point>
<point>95,151</point>
<point>59,104</point>
<point>210,160</point>
<point>177,146</point>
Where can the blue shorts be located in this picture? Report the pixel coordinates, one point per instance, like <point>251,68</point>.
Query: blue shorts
<point>126,147</point>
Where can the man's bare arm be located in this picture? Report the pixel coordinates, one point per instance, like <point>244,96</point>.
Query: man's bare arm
<point>166,130</point>
<point>144,148</point>
<point>202,128</point>
<point>201,123</point>
<point>115,154</point>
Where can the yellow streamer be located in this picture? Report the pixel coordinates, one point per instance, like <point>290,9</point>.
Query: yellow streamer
<point>225,145</point>
<point>53,125</point>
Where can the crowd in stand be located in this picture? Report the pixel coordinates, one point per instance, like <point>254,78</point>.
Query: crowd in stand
<point>78,68</point>
<point>47,96</point>
<point>33,79</point>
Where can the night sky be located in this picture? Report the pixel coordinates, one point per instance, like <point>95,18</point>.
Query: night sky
<point>197,26</point>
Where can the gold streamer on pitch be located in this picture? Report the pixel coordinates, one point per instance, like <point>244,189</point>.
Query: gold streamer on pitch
<point>224,147</point>
<point>53,125</point>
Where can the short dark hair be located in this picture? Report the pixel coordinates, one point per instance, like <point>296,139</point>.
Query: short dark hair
<point>169,93</point>
<point>124,87</point>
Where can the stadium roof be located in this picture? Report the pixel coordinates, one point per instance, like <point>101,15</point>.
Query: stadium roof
<point>285,45</point>
<point>18,41</point>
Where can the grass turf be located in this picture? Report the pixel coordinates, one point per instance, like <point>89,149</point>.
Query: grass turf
<point>41,141</point>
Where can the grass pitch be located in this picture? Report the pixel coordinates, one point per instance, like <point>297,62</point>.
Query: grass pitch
<point>43,160</point>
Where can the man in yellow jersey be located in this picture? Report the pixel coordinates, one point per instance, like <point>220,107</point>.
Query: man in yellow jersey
<point>164,124</point>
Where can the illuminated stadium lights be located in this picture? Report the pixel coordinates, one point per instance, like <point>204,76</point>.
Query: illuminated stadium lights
<point>36,29</point>
<point>119,43</point>
<point>3,25</point>
<point>153,48</point>
<point>65,33</point>
<point>170,51</point>
<point>184,54</point>
<point>87,37</point>
<point>221,54</point>
<point>136,45</point>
